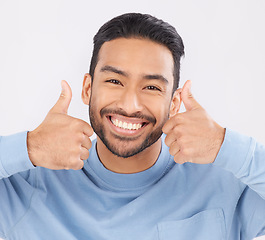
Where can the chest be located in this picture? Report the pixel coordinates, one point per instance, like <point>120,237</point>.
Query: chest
<point>176,207</point>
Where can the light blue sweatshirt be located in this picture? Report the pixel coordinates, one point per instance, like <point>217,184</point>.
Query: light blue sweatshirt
<point>223,200</point>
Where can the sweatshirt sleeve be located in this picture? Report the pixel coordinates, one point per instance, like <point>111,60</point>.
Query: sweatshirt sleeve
<point>245,158</point>
<point>14,154</point>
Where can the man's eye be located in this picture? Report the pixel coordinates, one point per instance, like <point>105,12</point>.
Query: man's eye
<point>153,88</point>
<point>114,81</point>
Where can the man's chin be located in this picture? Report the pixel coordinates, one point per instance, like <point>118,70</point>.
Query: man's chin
<point>125,147</point>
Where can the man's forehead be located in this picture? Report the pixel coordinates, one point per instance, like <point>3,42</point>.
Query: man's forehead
<point>135,44</point>
<point>146,55</point>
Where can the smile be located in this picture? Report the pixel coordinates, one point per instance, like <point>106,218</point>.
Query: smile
<point>127,124</point>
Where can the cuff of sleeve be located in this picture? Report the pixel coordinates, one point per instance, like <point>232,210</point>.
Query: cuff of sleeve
<point>14,154</point>
<point>235,152</point>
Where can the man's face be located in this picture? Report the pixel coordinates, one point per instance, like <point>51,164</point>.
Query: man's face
<point>131,94</point>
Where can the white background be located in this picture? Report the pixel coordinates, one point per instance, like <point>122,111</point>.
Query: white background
<point>42,42</point>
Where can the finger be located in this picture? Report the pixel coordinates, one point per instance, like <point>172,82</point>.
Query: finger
<point>86,143</point>
<point>167,126</point>
<point>178,158</point>
<point>174,148</point>
<point>84,154</point>
<point>170,138</point>
<point>86,128</point>
<point>187,98</point>
<point>78,165</point>
<point>172,122</point>
<point>64,100</point>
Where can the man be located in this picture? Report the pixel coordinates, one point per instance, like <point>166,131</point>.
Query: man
<point>57,184</point>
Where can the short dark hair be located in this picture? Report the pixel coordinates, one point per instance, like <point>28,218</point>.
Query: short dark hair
<point>137,25</point>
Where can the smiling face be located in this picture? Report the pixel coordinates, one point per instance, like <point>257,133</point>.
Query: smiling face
<point>131,96</point>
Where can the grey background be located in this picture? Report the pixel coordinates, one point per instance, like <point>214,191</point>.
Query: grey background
<point>43,42</point>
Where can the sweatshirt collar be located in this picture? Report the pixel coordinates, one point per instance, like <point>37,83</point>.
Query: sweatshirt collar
<point>143,179</point>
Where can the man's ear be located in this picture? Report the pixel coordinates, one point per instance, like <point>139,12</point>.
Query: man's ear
<point>86,90</point>
<point>175,103</point>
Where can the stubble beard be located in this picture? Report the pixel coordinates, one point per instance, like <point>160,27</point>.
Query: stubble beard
<point>121,149</point>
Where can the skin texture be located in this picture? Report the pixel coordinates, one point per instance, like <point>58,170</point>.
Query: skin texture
<point>128,85</point>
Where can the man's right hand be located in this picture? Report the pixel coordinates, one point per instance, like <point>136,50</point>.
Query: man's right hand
<point>61,141</point>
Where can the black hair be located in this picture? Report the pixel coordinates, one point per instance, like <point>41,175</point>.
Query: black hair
<point>137,25</point>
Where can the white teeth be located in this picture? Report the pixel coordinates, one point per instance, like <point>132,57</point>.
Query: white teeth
<point>125,125</point>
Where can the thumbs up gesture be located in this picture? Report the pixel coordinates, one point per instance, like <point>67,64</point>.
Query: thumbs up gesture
<point>61,141</point>
<point>193,136</point>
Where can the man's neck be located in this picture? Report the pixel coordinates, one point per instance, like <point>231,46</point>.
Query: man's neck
<point>134,164</point>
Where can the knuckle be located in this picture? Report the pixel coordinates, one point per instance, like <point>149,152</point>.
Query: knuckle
<point>178,129</point>
<point>178,160</point>
<point>85,155</point>
<point>80,137</point>
<point>181,142</point>
<point>185,151</point>
<point>89,129</point>
<point>77,166</point>
<point>84,125</point>
<point>73,164</point>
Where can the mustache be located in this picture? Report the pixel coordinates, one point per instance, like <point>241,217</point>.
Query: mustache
<point>106,111</point>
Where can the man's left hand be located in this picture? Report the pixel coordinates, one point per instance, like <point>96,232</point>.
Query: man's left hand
<point>193,136</point>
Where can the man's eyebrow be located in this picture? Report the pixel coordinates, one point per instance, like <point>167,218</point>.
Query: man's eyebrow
<point>156,76</point>
<point>108,68</point>
<point>112,69</point>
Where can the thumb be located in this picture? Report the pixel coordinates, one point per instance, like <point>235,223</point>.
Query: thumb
<point>187,98</point>
<point>64,100</point>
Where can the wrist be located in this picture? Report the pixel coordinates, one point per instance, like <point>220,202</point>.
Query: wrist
<point>220,138</point>
<point>32,147</point>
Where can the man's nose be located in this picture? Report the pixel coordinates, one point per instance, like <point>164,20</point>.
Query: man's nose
<point>130,101</point>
